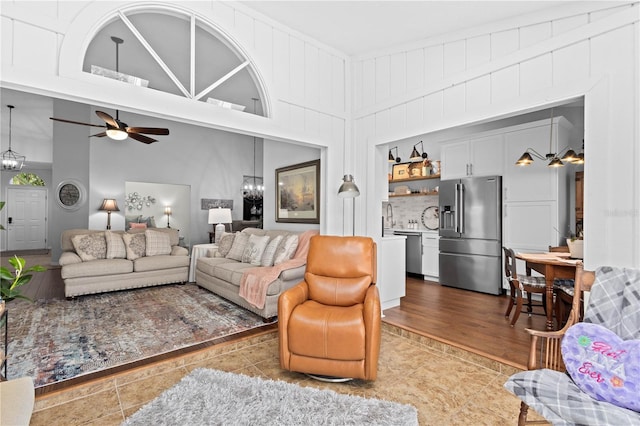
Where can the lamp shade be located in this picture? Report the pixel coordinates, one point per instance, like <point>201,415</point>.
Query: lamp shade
<point>167,210</point>
<point>348,189</point>
<point>219,215</point>
<point>110,205</point>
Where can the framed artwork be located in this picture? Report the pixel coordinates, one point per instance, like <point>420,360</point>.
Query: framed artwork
<point>298,193</point>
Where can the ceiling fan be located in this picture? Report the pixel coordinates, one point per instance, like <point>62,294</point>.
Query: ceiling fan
<point>116,129</point>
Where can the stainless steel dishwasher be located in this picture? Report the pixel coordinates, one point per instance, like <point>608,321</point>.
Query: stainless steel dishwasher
<point>413,251</point>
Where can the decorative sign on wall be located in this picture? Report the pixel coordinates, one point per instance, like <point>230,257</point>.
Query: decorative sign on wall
<point>213,203</point>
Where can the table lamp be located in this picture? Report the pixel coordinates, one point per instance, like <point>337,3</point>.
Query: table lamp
<point>219,217</point>
<point>109,205</point>
<point>167,211</point>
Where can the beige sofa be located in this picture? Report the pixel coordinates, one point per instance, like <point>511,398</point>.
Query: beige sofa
<point>92,270</point>
<point>222,276</point>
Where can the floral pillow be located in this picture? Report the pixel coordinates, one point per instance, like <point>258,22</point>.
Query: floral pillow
<point>90,246</point>
<point>603,365</point>
<point>225,243</point>
<point>135,245</point>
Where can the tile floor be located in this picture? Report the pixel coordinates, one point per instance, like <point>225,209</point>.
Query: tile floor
<point>448,386</point>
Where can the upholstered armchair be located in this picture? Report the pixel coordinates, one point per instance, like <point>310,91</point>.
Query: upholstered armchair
<point>329,324</point>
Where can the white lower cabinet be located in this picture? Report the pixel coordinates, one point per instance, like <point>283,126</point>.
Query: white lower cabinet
<point>430,253</point>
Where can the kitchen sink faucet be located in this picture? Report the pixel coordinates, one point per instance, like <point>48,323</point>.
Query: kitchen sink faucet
<point>390,220</point>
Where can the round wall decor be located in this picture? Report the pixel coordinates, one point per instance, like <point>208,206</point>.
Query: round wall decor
<point>70,194</point>
<point>431,218</point>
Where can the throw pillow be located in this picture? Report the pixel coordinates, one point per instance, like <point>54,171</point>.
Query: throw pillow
<point>134,225</point>
<point>603,365</point>
<point>286,249</point>
<point>115,245</point>
<point>237,248</point>
<point>135,245</point>
<point>225,243</point>
<point>157,243</point>
<point>270,251</point>
<point>90,246</point>
<point>255,247</point>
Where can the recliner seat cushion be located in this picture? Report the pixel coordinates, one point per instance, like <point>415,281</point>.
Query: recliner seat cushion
<point>330,332</point>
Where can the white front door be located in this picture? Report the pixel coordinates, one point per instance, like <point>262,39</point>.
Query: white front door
<point>26,217</point>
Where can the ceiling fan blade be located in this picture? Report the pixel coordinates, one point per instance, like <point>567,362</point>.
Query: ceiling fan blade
<point>141,138</point>
<point>108,119</point>
<point>148,130</point>
<point>76,122</point>
<point>99,135</point>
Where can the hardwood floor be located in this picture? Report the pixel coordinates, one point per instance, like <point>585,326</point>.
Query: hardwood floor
<point>468,320</point>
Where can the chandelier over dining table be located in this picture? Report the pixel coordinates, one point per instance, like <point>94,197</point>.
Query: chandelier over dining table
<point>555,159</point>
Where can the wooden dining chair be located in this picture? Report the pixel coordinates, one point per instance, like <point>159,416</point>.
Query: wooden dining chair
<point>563,292</point>
<point>520,285</point>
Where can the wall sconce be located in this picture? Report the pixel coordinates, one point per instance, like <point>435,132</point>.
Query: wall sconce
<point>417,156</point>
<point>109,205</point>
<point>553,158</point>
<point>219,217</point>
<point>167,211</point>
<point>393,159</point>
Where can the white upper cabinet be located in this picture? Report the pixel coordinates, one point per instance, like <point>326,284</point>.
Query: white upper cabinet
<point>481,156</point>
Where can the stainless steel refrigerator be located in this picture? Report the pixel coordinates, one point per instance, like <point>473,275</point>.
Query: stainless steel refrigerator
<point>471,234</point>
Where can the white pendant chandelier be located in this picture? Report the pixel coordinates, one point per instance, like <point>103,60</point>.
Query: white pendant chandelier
<point>11,160</point>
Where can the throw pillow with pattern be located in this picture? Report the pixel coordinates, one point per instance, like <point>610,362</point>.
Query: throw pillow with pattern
<point>90,246</point>
<point>255,247</point>
<point>237,248</point>
<point>225,243</point>
<point>157,243</point>
<point>286,249</point>
<point>115,245</point>
<point>270,251</point>
<point>135,245</point>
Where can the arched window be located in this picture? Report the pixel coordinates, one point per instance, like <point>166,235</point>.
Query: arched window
<point>24,178</point>
<point>175,51</point>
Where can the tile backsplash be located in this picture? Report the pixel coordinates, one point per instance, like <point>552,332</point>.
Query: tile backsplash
<point>406,209</point>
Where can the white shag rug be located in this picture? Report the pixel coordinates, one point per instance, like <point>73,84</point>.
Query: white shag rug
<point>211,397</point>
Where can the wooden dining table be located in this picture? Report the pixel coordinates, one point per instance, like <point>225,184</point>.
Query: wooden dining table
<point>552,266</point>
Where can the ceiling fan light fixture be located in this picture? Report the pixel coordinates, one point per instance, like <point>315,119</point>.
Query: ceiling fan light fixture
<point>117,134</point>
<point>570,156</point>
<point>579,159</point>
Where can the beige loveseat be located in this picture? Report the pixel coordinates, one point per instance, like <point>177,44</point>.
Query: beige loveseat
<point>98,261</point>
<point>222,275</point>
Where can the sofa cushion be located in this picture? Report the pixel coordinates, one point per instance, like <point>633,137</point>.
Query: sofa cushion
<point>270,251</point>
<point>156,243</point>
<point>135,245</point>
<point>255,247</point>
<point>115,245</point>
<point>239,244</point>
<point>96,268</point>
<point>69,258</point>
<point>286,249</point>
<point>231,272</point>
<point>158,262</point>
<point>208,264</point>
<point>90,246</point>
<point>225,243</point>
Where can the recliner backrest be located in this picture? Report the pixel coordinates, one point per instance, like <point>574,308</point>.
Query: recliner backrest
<point>340,269</point>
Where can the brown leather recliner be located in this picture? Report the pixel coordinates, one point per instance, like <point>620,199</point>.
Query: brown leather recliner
<point>329,324</point>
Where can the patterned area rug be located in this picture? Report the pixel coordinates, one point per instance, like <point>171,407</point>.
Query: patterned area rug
<point>56,340</point>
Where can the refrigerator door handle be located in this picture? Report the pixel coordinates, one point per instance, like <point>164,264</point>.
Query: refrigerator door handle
<point>460,210</point>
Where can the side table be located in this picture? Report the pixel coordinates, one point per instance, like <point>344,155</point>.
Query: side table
<point>198,250</point>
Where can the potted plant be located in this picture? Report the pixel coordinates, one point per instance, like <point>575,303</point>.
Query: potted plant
<point>10,282</point>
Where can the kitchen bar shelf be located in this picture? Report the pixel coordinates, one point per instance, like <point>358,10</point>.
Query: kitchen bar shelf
<point>411,179</point>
